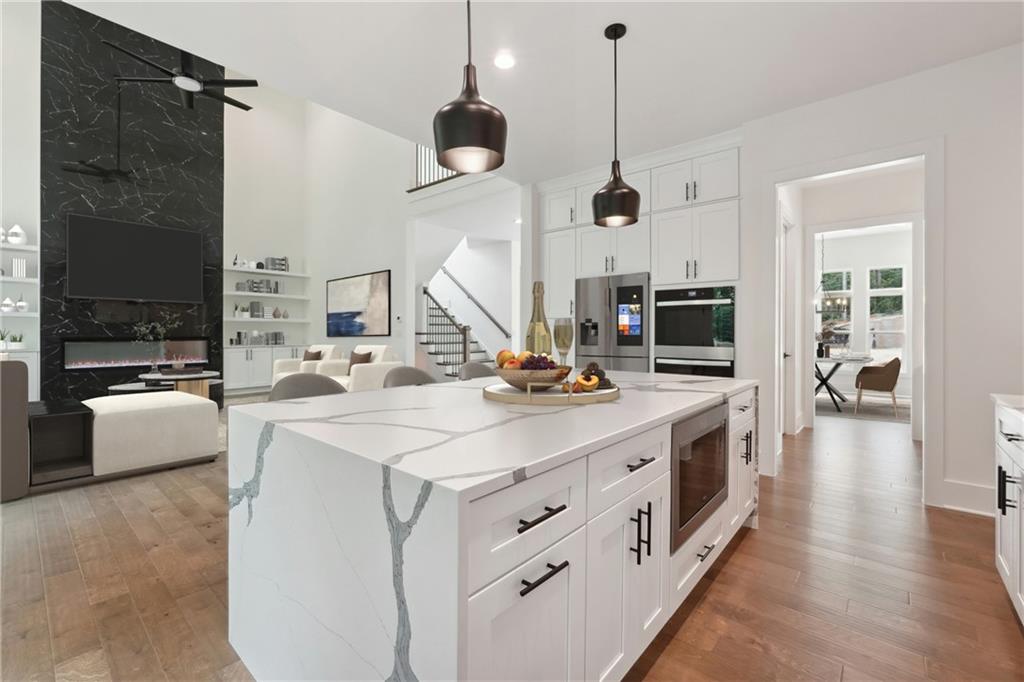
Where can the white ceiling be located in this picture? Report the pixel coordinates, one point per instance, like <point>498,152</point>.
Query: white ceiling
<point>686,70</point>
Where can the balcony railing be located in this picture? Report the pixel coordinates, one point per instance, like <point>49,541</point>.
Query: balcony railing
<point>428,170</point>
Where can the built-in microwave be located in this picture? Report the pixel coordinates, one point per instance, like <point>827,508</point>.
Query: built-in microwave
<point>694,331</point>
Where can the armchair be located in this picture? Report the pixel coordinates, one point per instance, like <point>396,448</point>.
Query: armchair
<point>287,366</point>
<point>881,378</point>
<point>366,376</point>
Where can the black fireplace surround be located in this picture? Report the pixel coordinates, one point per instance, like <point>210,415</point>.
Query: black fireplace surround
<point>176,156</point>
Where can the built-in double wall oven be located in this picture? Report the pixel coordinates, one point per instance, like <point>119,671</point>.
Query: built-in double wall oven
<point>694,331</point>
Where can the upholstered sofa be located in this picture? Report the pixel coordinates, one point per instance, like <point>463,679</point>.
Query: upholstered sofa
<point>284,367</point>
<point>366,376</point>
<point>147,430</point>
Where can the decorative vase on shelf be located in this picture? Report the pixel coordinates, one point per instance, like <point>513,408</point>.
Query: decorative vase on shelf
<point>538,334</point>
<point>6,305</point>
<point>277,313</point>
<point>16,235</point>
<point>22,304</point>
<point>285,314</point>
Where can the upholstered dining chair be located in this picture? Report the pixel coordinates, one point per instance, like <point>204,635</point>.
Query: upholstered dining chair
<point>303,385</point>
<point>407,376</point>
<point>475,370</point>
<point>880,378</point>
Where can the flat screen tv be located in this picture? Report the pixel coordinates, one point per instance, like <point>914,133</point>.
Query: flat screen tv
<point>117,260</point>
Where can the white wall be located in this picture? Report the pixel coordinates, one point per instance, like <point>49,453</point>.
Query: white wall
<point>485,269</point>
<point>356,216</point>
<point>894,192</point>
<point>966,116</point>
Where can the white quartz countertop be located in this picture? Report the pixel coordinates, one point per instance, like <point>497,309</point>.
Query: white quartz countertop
<point>1014,402</point>
<point>449,434</point>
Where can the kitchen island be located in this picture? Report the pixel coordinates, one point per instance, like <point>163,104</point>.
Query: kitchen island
<point>425,533</point>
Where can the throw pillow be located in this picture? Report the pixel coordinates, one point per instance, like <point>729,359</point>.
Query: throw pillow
<point>357,359</point>
<point>312,355</point>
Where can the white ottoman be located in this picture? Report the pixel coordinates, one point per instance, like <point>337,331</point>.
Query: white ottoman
<point>149,429</point>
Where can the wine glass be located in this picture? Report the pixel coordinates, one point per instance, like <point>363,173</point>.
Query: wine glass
<point>563,337</point>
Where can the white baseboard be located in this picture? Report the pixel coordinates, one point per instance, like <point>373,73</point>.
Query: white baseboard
<point>963,496</point>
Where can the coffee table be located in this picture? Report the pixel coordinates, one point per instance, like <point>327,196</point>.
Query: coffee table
<point>197,383</point>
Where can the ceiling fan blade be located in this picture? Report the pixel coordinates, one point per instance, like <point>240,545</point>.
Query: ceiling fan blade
<point>188,63</point>
<point>188,99</point>
<point>213,94</point>
<point>139,58</point>
<point>231,83</point>
<point>133,79</point>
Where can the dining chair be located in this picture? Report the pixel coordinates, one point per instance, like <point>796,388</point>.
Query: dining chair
<point>407,376</point>
<point>880,378</point>
<point>475,370</point>
<point>304,386</point>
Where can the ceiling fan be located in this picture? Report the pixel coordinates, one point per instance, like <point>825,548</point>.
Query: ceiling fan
<point>185,79</point>
<point>104,173</point>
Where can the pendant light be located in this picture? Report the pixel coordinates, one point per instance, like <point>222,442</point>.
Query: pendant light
<point>616,204</point>
<point>470,132</point>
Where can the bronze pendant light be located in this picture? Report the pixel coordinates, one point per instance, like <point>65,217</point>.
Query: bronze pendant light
<point>470,132</point>
<point>616,204</point>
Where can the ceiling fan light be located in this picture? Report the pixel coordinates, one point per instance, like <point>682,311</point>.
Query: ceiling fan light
<point>470,132</point>
<point>187,84</point>
<point>616,204</point>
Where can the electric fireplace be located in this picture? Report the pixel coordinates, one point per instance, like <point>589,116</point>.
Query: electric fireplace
<point>93,354</point>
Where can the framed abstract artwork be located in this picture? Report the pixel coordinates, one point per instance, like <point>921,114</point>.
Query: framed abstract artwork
<point>359,305</point>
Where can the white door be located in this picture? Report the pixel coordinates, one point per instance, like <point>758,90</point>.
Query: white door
<point>529,624</point>
<point>632,248</point>
<point>558,209</point>
<point>627,580</point>
<point>1007,535</point>
<point>594,249</point>
<point>236,368</point>
<point>670,185</point>
<point>716,242</point>
<point>672,247</point>
<point>559,273</point>
<point>261,366</point>
<point>716,176</point>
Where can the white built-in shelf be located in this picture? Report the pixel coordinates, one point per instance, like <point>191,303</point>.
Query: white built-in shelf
<point>261,320</point>
<point>14,351</point>
<point>256,294</point>
<point>268,273</point>
<point>23,248</point>
<point>19,280</point>
<point>17,314</point>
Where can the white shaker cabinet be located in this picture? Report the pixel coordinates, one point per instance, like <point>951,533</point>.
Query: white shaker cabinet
<point>672,247</point>
<point>711,177</point>
<point>670,185</point>
<point>699,244</point>
<point>529,624</point>
<point>558,210</point>
<point>627,580</point>
<point>1009,511</point>
<point>559,260</point>
<point>248,367</point>
<point>604,251</point>
<point>633,248</point>
<point>595,247</point>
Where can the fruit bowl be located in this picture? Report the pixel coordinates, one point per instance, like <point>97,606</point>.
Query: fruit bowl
<point>542,379</point>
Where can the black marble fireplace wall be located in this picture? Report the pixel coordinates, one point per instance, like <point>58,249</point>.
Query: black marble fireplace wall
<point>175,157</point>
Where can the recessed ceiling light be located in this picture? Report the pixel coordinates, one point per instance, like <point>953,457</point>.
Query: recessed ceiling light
<point>518,221</point>
<point>504,60</point>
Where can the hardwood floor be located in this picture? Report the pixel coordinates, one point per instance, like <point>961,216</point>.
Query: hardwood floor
<point>848,578</point>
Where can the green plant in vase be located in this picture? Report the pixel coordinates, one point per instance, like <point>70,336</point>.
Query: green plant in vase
<point>156,331</point>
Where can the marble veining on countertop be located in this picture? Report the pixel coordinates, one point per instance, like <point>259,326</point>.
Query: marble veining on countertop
<point>448,434</point>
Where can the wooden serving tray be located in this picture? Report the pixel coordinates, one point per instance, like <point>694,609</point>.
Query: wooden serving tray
<point>503,393</point>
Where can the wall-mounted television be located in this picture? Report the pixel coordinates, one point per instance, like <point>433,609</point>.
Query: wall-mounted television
<point>123,261</point>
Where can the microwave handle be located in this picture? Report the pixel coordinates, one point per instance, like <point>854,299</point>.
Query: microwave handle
<point>693,363</point>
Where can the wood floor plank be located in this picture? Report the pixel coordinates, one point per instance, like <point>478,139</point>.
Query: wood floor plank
<point>55,546</point>
<point>90,666</point>
<point>208,617</point>
<point>128,650</point>
<point>72,629</point>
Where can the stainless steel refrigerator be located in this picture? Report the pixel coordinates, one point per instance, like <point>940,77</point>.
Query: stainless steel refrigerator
<point>613,324</point>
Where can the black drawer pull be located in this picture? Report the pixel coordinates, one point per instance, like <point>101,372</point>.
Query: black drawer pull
<point>525,525</point>
<point>530,587</point>
<point>644,461</point>
<point>708,549</point>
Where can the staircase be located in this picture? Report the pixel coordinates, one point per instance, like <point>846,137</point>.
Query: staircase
<point>447,342</point>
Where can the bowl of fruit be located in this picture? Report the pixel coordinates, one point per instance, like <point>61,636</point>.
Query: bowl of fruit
<point>529,371</point>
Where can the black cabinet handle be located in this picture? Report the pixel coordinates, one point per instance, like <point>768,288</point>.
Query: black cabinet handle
<point>748,439</point>
<point>708,549</point>
<point>554,570</point>
<point>648,540</point>
<point>687,191</point>
<point>695,190</point>
<point>525,525</point>
<point>640,541</point>
<point>644,461</point>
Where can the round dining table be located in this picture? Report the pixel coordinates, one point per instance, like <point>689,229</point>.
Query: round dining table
<point>824,379</point>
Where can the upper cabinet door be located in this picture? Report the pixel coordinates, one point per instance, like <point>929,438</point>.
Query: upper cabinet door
<point>532,630</point>
<point>672,247</point>
<point>595,247</point>
<point>716,242</point>
<point>641,182</point>
<point>632,247</point>
<point>716,176</point>
<point>559,273</point>
<point>558,209</point>
<point>670,185</point>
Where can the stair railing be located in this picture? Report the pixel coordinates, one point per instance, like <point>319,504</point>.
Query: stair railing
<point>452,343</point>
<point>477,303</point>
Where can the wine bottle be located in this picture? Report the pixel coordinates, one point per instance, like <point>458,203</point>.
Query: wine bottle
<point>538,334</point>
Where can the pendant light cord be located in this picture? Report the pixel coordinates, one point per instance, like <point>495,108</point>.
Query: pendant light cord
<point>469,35</point>
<point>615,97</point>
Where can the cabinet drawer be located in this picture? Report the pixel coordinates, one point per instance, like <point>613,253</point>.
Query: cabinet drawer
<point>509,526</point>
<point>741,408</point>
<point>618,471</point>
<point>692,560</point>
